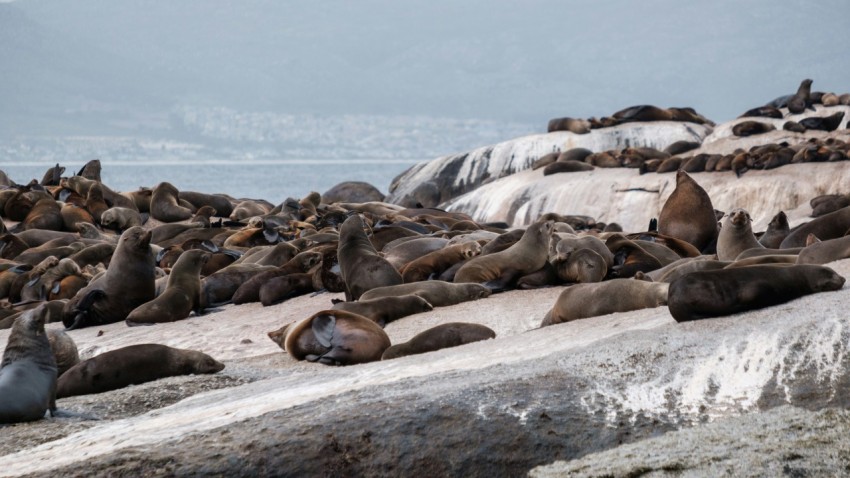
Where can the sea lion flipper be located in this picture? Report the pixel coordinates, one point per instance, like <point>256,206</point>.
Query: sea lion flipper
<point>271,235</point>
<point>336,301</point>
<point>32,281</point>
<point>323,328</point>
<point>81,311</point>
<point>57,286</point>
<point>210,246</point>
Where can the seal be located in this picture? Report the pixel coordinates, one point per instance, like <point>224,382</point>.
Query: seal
<point>133,365</point>
<point>581,301</point>
<point>751,128</point>
<point>684,266</point>
<point>405,250</point>
<point>801,100</point>
<point>437,293</point>
<point>333,337</point>
<point>443,336</point>
<point>688,214</point>
<point>582,266</point>
<point>828,203</point>
<point>95,203</point>
<point>120,218</point>
<point>182,293</point>
<point>828,226</point>
<point>573,125</point>
<point>279,289</point>
<point>825,123</point>
<point>361,267</point>
<point>165,204</point>
<point>384,310</point>
<point>435,263</point>
<point>777,230</point>
<point>766,111</point>
<point>822,252</point>
<point>73,215</point>
<point>736,235</point>
<point>64,350</point>
<point>705,294</point>
<point>45,214</point>
<point>567,167</point>
<point>127,284</point>
<point>28,371</point>
<point>218,288</point>
<point>630,258</point>
<point>499,269</point>
<point>301,263</point>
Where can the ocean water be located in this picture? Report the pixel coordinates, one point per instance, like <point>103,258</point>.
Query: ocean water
<point>273,180</point>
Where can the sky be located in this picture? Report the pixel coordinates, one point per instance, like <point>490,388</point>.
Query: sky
<point>107,67</point>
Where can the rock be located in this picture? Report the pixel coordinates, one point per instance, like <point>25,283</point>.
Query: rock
<point>352,191</point>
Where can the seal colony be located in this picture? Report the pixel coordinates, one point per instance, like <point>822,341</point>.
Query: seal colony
<point>391,259</point>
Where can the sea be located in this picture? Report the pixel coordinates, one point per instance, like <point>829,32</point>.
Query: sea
<point>272,180</point>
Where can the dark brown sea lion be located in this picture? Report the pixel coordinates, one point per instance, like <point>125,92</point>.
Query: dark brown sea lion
<point>64,350</point>
<point>769,259</point>
<point>361,267</point>
<point>545,160</point>
<point>801,100</point>
<point>333,337</point>
<point>279,289</point>
<point>443,336</point>
<point>53,175</point>
<point>182,294</point>
<point>18,206</point>
<point>401,253</point>
<point>222,205</point>
<point>643,113</point>
<point>91,170</point>
<point>203,215</point>
<point>165,205</point>
<point>736,235</point>
<point>684,266</point>
<point>437,293</point>
<point>28,371</point>
<point>706,294</point>
<point>567,167</point>
<point>766,111</point>
<point>828,226</point>
<point>688,214</point>
<point>567,245</point>
<point>352,191</point>
<point>750,128</point>
<point>777,230</point>
<point>828,203</point>
<point>616,295</point>
<point>573,125</point>
<point>629,257</point>
<point>497,270</point>
<point>823,123</point>
<point>73,215</point>
<point>132,365</point>
<point>93,255</point>
<point>45,214</point>
<point>250,290</point>
<point>435,263</point>
<point>127,284</point>
<point>95,202</point>
<point>218,288</point>
<point>794,127</point>
<point>384,310</point>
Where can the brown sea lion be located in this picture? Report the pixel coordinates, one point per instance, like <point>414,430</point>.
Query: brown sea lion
<point>333,337</point>
<point>573,125</point>
<point>279,289</point>
<point>221,204</point>
<point>499,269</point>
<point>95,202</point>
<point>384,310</point>
<point>120,218</point>
<point>127,284</point>
<point>801,100</point>
<point>435,263</point>
<point>407,250</point>
<point>361,267</point>
<point>45,214</point>
<point>688,214</point>
<point>630,258</point>
<point>567,245</point>
<point>828,203</point>
<point>218,288</point>
<point>766,111</point>
<point>93,255</point>
<point>91,170</point>
<point>823,123</point>
<point>750,128</point>
<point>706,294</point>
<point>828,226</point>
<point>250,290</point>
<point>41,285</point>
<point>72,215</point>
<point>643,113</point>
<point>437,293</point>
<point>54,174</point>
<point>582,266</point>
<point>545,160</point>
<point>443,336</point>
<point>581,301</point>
<point>249,208</point>
<point>182,293</point>
<point>165,205</point>
<point>777,230</point>
<point>686,265</point>
<point>28,371</point>
<point>736,235</point>
<point>64,350</point>
<point>822,252</point>
<point>133,365</point>
<point>203,215</point>
<point>567,167</point>
<point>771,259</point>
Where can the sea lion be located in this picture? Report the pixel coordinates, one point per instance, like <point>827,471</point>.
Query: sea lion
<point>630,258</point>
<point>127,284</point>
<point>573,125</point>
<point>437,293</point>
<point>384,310</point>
<point>45,214</point>
<point>822,252</point>
<point>120,218</point>
<point>828,203</point>
<point>443,336</point>
<point>182,293</point>
<point>435,263</point>
<point>771,259</point>
<point>545,160</point>
<point>40,287</point>
<point>684,266</point>
<point>794,127</point>
<point>333,337</point>
<point>401,252</point>
<point>95,202</point>
<point>28,371</point>
<point>766,111</point>
<point>279,289</point>
<point>54,174</point>
<point>581,301</point>
<point>823,123</point>
<point>828,226</point>
<point>91,170</point>
<point>203,215</point>
<point>706,294</point>
<point>73,215</point>
<point>777,230</point>
<point>750,128</point>
<point>218,288</point>
<point>248,208</point>
<point>222,205</point>
<point>642,113</point>
<point>567,167</point>
<point>132,365</point>
<point>165,204</point>
<point>64,350</point>
<point>249,291</point>
<point>567,245</point>
<point>361,267</point>
<point>499,269</point>
<point>94,255</point>
<point>582,266</point>
<point>736,235</point>
<point>688,214</point>
<point>801,100</point>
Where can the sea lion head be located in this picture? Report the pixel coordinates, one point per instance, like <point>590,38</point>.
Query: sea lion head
<point>823,279</point>
<point>739,218</point>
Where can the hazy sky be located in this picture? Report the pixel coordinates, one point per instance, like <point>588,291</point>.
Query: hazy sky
<point>519,61</point>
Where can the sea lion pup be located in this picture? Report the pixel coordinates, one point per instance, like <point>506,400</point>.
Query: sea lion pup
<point>688,214</point>
<point>165,204</point>
<point>828,226</point>
<point>706,294</point>
<point>361,267</point>
<point>203,215</point>
<point>581,301</point>
<point>437,293</point>
<point>573,125</point>
<point>28,371</point>
<point>822,252</point>
<point>133,365</point>
<point>384,310</point>
<point>64,350</point>
<point>443,336</point>
<point>249,208</point>
<point>120,218</point>
<point>801,100</point>
<point>333,337</point>
<point>736,235</point>
<point>496,271</point>
<point>777,230</point>
<point>567,245</point>
<point>435,263</point>
<point>751,128</point>
<point>127,284</point>
<point>182,293</point>
<point>582,266</point>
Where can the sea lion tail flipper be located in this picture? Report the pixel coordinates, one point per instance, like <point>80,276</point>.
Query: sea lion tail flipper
<point>323,328</point>
<point>336,301</point>
<point>653,225</point>
<point>271,235</point>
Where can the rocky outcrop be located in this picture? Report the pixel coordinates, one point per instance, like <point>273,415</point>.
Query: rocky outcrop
<point>442,179</point>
